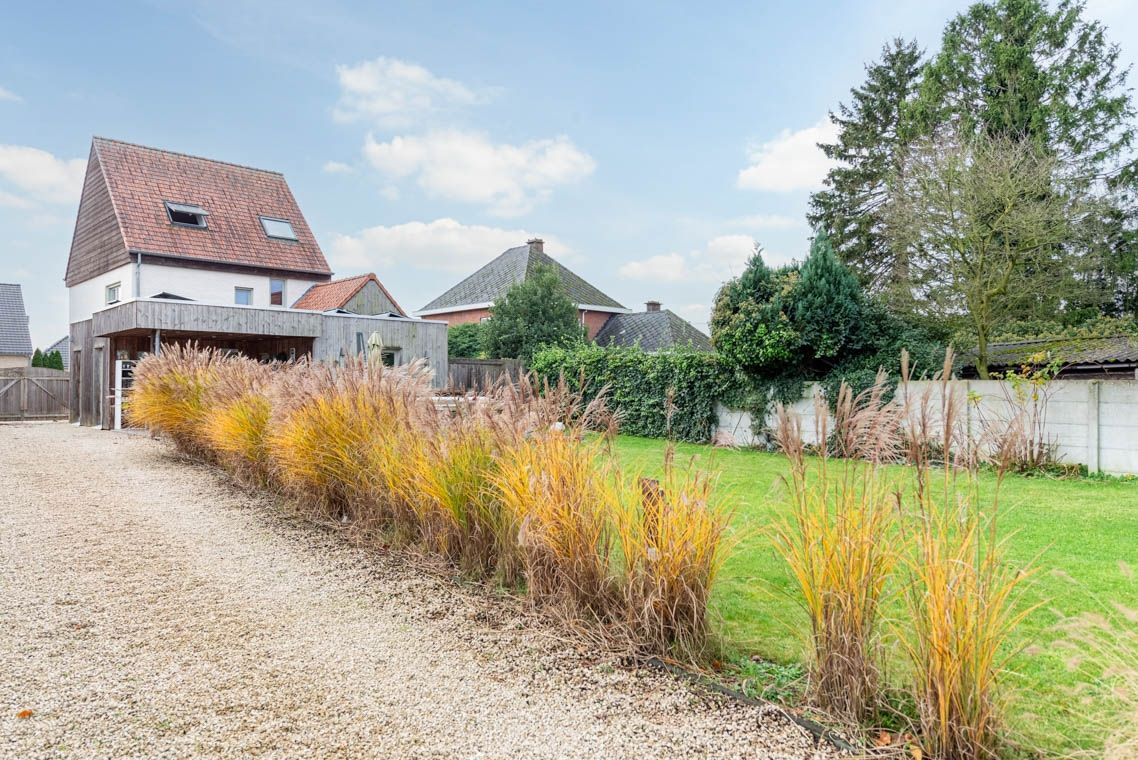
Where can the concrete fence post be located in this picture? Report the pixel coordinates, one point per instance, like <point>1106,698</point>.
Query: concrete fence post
<point>1092,426</point>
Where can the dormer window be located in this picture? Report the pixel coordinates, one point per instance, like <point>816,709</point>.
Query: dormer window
<point>281,229</point>
<point>186,215</point>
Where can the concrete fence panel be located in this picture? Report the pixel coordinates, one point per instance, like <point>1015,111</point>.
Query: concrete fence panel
<point>1089,422</point>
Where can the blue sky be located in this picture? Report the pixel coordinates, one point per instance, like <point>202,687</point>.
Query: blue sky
<point>648,143</point>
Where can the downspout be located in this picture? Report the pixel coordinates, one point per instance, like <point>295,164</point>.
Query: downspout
<point>137,275</point>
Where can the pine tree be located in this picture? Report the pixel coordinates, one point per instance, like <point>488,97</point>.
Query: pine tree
<point>872,133</point>
<point>828,304</point>
<point>37,358</point>
<point>53,360</point>
<point>1016,69</point>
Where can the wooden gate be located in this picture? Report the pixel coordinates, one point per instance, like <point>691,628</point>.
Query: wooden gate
<point>34,393</point>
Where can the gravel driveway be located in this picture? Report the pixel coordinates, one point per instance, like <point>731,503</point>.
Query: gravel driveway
<point>149,608</point>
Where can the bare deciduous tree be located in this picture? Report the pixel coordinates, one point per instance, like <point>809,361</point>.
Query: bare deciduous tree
<point>984,222</point>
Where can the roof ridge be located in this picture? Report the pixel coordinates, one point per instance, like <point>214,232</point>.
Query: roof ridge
<point>99,138</point>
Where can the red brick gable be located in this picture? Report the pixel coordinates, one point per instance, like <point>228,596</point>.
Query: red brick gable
<point>140,180</point>
<point>336,294</point>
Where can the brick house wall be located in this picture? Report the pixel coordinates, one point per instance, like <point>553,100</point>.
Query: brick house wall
<point>593,320</point>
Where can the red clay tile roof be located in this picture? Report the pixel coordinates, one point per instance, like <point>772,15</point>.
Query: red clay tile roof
<point>337,293</point>
<point>141,179</point>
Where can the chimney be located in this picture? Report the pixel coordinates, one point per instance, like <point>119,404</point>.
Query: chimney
<point>652,306</point>
<point>536,245</point>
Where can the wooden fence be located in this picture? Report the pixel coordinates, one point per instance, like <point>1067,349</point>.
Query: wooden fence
<point>479,374</point>
<point>34,393</point>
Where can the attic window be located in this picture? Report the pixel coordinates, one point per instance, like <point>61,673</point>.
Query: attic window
<point>186,215</point>
<point>280,229</point>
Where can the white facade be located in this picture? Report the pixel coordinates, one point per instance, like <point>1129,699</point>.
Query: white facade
<point>213,287</point>
<point>201,285</point>
<point>90,295</point>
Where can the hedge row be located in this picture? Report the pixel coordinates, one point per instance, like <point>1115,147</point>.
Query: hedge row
<point>640,384</point>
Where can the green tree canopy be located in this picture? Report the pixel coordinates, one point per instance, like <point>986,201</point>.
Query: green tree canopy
<point>465,341</point>
<point>871,132</point>
<point>829,308</point>
<point>534,313</point>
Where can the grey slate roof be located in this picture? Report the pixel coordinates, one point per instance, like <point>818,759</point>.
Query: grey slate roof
<point>1117,349</point>
<point>515,265</point>
<point>63,346</point>
<point>14,335</point>
<point>655,330</point>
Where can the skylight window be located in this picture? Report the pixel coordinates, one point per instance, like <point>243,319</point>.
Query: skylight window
<point>281,229</point>
<point>186,215</point>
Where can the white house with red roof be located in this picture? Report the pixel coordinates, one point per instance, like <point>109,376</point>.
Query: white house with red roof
<point>171,248</point>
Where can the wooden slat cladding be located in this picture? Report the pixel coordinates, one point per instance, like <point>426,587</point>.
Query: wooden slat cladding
<point>187,317</point>
<point>97,244</point>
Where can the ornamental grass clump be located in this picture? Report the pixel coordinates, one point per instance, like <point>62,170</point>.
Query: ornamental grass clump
<point>236,421</point>
<point>169,395</point>
<point>672,539</point>
<point>342,439</point>
<point>560,494</point>
<point>456,474</point>
<point>838,539</point>
<point>962,596</point>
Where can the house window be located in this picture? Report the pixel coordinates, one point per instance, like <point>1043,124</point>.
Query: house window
<point>186,215</point>
<point>281,229</point>
<point>276,292</point>
<point>243,296</point>
<point>361,345</point>
<point>388,358</point>
<point>113,292</point>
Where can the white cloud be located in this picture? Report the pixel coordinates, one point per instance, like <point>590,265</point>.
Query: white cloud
<point>791,161</point>
<point>723,257</point>
<point>394,93</point>
<point>11,200</point>
<point>667,267</point>
<point>442,245</point>
<point>337,167</point>
<point>37,175</point>
<point>509,179</point>
<point>6,94</point>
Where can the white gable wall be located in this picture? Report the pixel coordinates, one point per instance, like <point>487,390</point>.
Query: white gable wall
<point>91,295</point>
<point>213,287</point>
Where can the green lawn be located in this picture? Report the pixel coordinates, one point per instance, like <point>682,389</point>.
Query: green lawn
<point>1084,528</point>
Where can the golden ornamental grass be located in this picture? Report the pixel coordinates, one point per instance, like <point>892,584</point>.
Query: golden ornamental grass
<point>672,538</point>
<point>512,485</point>
<point>838,540</point>
<point>963,597</point>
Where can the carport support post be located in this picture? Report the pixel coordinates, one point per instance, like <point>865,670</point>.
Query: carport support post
<point>157,342</point>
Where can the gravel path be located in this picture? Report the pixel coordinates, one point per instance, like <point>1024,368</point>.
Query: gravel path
<point>148,608</point>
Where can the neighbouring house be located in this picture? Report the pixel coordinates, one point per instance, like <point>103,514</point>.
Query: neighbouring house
<point>1113,356</point>
<point>63,346</point>
<point>471,299</point>
<point>654,329</point>
<point>363,294</point>
<point>15,339</point>
<point>170,248</point>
